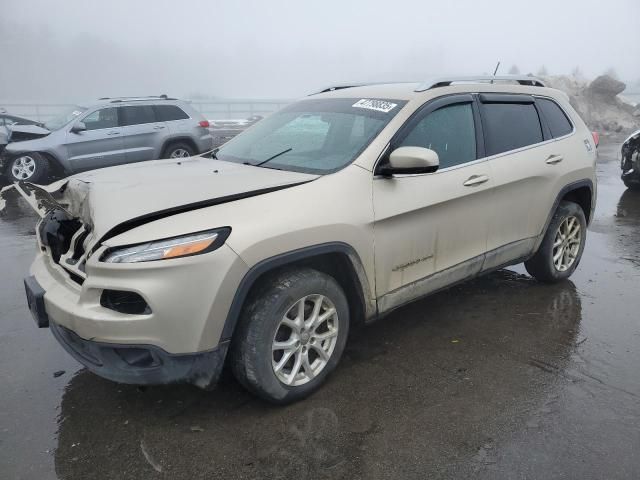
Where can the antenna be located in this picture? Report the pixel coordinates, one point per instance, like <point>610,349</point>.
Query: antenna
<point>496,70</point>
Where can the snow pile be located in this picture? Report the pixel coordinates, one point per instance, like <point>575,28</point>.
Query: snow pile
<point>598,103</point>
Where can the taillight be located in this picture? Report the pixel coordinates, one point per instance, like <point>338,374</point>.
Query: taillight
<point>204,123</point>
<point>596,138</point>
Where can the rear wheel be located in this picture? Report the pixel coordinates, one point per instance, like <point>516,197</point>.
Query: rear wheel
<point>29,167</point>
<point>179,150</point>
<point>562,246</point>
<point>291,335</point>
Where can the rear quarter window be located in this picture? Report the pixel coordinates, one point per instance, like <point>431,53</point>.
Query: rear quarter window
<point>168,113</point>
<point>555,117</point>
<point>509,126</point>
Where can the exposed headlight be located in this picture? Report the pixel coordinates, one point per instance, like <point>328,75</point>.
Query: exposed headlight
<point>184,246</point>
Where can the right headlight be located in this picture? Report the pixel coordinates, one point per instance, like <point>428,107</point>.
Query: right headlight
<point>176,247</point>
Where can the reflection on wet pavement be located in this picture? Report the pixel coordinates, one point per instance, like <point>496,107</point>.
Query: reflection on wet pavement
<point>501,377</point>
<point>424,377</point>
<point>628,221</point>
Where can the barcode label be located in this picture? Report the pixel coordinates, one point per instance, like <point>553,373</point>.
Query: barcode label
<point>377,105</point>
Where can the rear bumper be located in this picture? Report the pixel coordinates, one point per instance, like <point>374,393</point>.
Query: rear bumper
<point>143,364</point>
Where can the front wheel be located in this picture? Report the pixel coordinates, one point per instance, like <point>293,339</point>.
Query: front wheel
<point>29,167</point>
<point>291,335</point>
<point>562,246</point>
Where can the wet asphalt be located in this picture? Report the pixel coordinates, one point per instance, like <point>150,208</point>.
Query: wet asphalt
<point>499,378</point>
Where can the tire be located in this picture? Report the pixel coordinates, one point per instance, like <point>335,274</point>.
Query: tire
<point>263,323</point>
<point>29,167</point>
<point>178,150</point>
<point>542,265</point>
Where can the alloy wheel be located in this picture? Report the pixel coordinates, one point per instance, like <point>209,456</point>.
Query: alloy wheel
<point>179,153</point>
<point>304,340</point>
<point>566,244</point>
<point>23,167</point>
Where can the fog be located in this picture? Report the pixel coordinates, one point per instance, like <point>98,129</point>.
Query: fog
<point>63,51</point>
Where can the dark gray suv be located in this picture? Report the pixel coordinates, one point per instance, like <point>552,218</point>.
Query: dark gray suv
<point>110,132</point>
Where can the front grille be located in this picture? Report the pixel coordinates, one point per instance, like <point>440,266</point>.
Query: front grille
<point>64,236</point>
<point>56,231</point>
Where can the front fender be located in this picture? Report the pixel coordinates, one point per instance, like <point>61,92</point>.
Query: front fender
<point>289,258</point>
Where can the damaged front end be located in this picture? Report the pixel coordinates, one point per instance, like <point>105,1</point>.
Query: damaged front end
<point>98,315</point>
<point>4,140</point>
<point>630,162</point>
<point>20,133</point>
<point>61,234</point>
<point>15,134</point>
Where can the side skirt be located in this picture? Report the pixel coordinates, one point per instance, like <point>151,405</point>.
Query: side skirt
<point>501,257</point>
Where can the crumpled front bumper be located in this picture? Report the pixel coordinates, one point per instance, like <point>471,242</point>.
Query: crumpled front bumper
<point>129,363</point>
<point>143,364</point>
<point>177,341</point>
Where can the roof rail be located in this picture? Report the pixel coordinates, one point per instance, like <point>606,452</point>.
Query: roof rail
<point>136,99</point>
<point>340,87</point>
<point>446,81</point>
<point>354,85</point>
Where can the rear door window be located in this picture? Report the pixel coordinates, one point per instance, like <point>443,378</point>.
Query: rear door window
<point>168,113</point>
<point>509,126</point>
<point>136,115</point>
<point>449,131</point>
<point>555,118</point>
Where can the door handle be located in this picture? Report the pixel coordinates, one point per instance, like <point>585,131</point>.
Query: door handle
<point>113,133</point>
<point>475,180</point>
<point>158,127</point>
<point>553,159</point>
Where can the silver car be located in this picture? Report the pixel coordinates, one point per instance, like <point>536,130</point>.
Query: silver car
<point>112,131</point>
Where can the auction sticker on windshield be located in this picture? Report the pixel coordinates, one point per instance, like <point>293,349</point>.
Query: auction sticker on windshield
<point>372,104</point>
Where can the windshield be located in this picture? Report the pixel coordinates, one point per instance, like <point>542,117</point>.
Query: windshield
<point>312,136</point>
<point>60,121</point>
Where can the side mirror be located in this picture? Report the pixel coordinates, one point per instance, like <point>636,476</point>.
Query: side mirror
<point>411,160</point>
<point>79,127</point>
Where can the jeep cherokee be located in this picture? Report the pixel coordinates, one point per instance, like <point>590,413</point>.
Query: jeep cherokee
<point>338,209</point>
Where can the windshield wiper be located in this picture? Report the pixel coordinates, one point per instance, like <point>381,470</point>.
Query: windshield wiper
<point>271,158</point>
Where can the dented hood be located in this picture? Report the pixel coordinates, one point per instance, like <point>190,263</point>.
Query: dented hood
<point>113,200</point>
<point>28,131</point>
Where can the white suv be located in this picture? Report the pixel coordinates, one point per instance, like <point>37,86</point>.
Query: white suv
<point>336,210</point>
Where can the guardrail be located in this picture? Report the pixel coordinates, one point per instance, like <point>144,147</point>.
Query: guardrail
<point>211,109</point>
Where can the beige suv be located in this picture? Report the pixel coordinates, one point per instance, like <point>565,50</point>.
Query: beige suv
<point>338,209</point>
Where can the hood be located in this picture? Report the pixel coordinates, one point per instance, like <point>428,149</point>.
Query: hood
<point>114,200</point>
<point>26,132</point>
